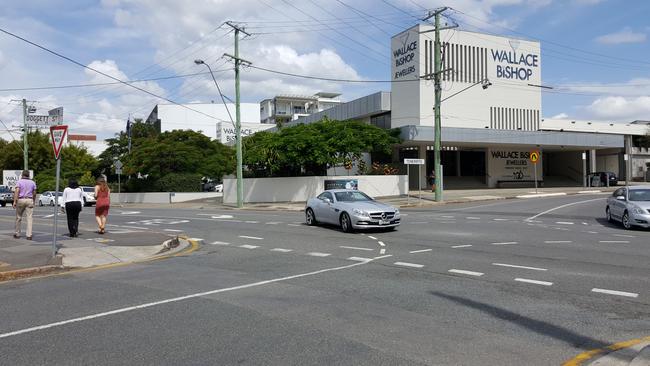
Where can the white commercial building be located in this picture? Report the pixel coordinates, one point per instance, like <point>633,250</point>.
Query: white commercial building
<point>201,117</point>
<point>286,108</point>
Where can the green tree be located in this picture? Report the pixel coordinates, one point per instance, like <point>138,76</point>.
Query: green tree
<point>118,146</point>
<point>40,153</point>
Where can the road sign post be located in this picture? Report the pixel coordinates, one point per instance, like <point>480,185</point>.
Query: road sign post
<point>419,163</point>
<point>57,134</point>
<point>118,170</point>
<point>534,158</point>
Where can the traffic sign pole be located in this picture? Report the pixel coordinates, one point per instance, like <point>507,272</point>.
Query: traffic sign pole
<point>535,164</point>
<point>57,133</point>
<point>408,189</point>
<point>56,206</point>
<point>534,158</point>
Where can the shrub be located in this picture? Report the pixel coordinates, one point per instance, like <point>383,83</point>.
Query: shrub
<point>179,182</point>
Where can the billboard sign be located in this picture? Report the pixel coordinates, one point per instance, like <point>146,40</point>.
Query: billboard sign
<point>11,177</point>
<point>341,184</point>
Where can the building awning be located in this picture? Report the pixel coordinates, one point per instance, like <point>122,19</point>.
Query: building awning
<point>477,137</point>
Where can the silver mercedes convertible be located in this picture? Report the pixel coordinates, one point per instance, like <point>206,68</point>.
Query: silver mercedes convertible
<point>352,210</point>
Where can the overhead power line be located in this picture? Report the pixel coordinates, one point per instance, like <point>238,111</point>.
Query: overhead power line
<point>103,73</point>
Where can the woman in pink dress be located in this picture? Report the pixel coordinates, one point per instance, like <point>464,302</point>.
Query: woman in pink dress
<point>102,195</point>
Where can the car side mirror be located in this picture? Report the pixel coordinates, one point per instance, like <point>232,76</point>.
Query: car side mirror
<point>327,200</point>
<point>620,198</point>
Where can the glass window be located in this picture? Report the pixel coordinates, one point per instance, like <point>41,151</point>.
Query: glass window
<point>640,195</point>
<point>324,195</point>
<point>618,192</point>
<point>352,196</point>
<point>89,189</point>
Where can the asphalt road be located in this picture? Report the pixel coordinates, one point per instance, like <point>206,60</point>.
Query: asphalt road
<point>474,284</point>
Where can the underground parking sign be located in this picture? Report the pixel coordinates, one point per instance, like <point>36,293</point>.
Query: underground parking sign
<point>534,157</point>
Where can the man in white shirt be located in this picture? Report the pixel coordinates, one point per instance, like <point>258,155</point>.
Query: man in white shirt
<point>72,200</point>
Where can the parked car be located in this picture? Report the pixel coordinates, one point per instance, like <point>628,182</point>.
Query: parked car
<point>47,198</point>
<point>352,210</point>
<point>630,206</point>
<point>602,178</point>
<point>6,196</point>
<point>219,188</point>
<point>89,195</point>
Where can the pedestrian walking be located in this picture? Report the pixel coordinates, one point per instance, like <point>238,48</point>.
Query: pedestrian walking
<point>432,180</point>
<point>72,200</point>
<point>102,195</point>
<point>24,199</point>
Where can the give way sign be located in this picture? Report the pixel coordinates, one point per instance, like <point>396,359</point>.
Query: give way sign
<point>58,136</point>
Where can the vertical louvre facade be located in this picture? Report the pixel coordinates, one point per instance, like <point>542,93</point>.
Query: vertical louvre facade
<point>504,118</point>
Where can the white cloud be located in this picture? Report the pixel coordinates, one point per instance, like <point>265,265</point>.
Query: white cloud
<point>560,116</point>
<point>626,35</point>
<point>631,88</point>
<point>618,108</point>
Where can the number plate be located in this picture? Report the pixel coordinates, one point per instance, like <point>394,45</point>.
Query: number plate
<point>384,222</point>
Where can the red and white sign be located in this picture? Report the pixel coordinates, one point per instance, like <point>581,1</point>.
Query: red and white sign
<point>57,133</point>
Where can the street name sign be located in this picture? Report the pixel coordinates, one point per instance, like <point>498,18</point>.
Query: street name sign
<point>414,161</point>
<point>57,133</point>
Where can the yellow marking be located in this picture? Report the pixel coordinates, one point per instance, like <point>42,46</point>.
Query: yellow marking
<point>194,246</point>
<point>585,356</point>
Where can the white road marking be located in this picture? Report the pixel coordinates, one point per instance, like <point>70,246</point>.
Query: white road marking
<point>293,225</point>
<point>381,243</point>
<point>47,216</point>
<point>420,251</point>
<point>517,266</point>
<point>469,273</point>
<point>406,264</point>
<point>560,207</point>
<point>462,246</point>
<point>252,222</point>
<point>251,237</point>
<point>535,282</point>
<point>130,212</point>
<point>246,246</point>
<point>557,241</point>
<point>448,217</point>
<point>174,230</point>
<point>500,219</point>
<point>319,254</point>
<point>133,227</point>
<point>587,192</point>
<point>273,223</point>
<point>382,251</point>
<point>359,259</point>
<point>222,216</point>
<point>614,241</point>
<point>220,243</point>
<point>625,236</point>
<point>282,250</point>
<point>564,222</point>
<point>505,243</point>
<point>356,248</point>
<point>196,239</point>
<point>372,237</point>
<point>181,298</point>
<point>613,292</point>
<point>592,232</point>
<point>473,218</point>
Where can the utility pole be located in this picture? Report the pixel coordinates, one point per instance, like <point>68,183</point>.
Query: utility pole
<point>437,94</point>
<point>238,148</point>
<point>25,142</point>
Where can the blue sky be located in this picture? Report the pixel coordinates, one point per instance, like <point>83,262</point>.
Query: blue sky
<point>595,53</point>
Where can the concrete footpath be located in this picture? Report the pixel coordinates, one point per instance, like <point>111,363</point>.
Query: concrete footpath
<point>24,258</point>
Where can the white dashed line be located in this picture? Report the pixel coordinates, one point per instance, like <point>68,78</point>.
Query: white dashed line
<point>252,222</point>
<point>273,223</point>
<point>382,251</point>
<point>174,230</point>
<point>356,248</point>
<point>564,222</point>
<point>500,219</point>
<point>473,218</point>
<point>293,225</point>
<point>420,251</point>
<point>557,241</point>
<point>625,236</point>
<point>505,243</point>
<point>469,273</point>
<point>251,237</point>
<point>246,246</point>
<point>462,246</point>
<point>591,232</point>
<point>219,243</point>
<point>535,282</point>
<point>281,250</point>
<point>517,266</point>
<point>406,264</point>
<point>319,254</point>
<point>614,241</point>
<point>358,259</point>
<point>372,237</point>
<point>612,292</point>
<point>381,243</point>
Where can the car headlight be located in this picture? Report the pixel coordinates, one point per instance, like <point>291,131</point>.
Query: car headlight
<point>397,211</point>
<point>638,211</point>
<point>359,212</point>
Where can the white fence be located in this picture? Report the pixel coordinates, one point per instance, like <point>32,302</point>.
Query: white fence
<point>161,197</point>
<point>300,189</point>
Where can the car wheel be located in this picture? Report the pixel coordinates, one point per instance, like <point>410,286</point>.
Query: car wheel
<point>40,203</point>
<point>346,223</point>
<point>626,221</point>
<point>52,203</point>
<point>309,217</point>
<point>608,214</point>
<point>3,204</point>
<point>85,203</point>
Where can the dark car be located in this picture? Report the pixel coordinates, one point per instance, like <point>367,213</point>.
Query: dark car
<point>6,196</point>
<point>602,178</point>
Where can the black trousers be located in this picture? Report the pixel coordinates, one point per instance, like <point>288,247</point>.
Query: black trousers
<point>72,210</point>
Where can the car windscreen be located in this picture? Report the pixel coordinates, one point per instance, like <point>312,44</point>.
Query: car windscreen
<point>89,189</point>
<point>639,195</point>
<point>351,196</point>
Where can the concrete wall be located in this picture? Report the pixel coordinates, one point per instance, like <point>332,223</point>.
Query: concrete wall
<point>161,197</point>
<point>300,189</point>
